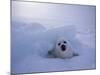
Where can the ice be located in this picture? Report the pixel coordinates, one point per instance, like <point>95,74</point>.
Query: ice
<point>29,49</point>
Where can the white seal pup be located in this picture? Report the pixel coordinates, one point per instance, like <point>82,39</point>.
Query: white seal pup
<point>62,49</point>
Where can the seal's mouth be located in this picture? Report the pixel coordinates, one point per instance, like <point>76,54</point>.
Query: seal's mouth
<point>63,47</point>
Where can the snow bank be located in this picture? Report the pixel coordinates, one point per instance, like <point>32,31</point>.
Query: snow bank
<point>30,43</point>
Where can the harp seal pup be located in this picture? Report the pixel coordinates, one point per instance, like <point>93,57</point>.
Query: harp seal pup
<point>62,49</point>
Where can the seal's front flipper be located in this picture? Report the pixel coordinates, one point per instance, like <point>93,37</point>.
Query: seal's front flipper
<point>49,52</point>
<point>75,54</point>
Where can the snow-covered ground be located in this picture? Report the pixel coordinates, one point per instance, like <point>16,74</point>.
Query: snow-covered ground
<point>31,39</point>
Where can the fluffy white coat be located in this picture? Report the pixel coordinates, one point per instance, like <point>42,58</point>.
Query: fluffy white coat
<point>57,52</point>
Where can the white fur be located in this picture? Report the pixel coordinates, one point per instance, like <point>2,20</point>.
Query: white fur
<point>57,52</point>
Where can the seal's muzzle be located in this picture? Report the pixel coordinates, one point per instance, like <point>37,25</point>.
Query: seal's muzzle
<point>63,47</point>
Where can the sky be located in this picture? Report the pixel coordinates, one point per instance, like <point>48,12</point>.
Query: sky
<point>55,15</point>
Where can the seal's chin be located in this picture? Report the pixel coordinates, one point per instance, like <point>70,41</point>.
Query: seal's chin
<point>63,47</point>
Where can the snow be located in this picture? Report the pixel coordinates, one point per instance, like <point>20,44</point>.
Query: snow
<point>32,39</point>
<point>29,50</point>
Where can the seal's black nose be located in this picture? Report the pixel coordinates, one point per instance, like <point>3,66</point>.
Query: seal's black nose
<point>63,47</point>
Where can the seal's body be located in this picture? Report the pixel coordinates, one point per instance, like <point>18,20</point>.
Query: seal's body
<point>62,49</point>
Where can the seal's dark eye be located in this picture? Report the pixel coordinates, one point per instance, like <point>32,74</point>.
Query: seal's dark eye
<point>65,42</point>
<point>58,43</point>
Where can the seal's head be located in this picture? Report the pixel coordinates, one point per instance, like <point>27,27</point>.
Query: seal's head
<point>62,44</point>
